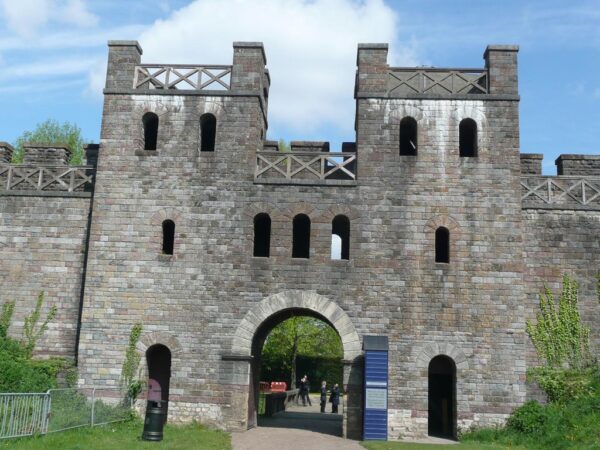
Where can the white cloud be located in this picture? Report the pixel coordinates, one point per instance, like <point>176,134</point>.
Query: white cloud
<point>27,18</point>
<point>310,47</point>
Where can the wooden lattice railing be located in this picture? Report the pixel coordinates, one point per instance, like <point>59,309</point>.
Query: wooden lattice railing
<point>182,77</point>
<point>561,191</point>
<point>45,178</point>
<point>406,81</point>
<point>308,166</point>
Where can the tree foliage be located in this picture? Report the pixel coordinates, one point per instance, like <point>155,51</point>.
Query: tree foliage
<point>297,336</point>
<point>31,331</point>
<point>559,337</point>
<point>51,132</point>
<point>283,146</point>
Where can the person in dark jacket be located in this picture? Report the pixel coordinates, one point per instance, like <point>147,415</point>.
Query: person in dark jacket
<point>323,395</point>
<point>334,398</point>
<point>304,389</point>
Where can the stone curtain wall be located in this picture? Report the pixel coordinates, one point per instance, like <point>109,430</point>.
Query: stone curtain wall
<point>42,249</point>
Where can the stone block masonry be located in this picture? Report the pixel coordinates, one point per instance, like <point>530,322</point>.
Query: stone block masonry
<point>212,303</point>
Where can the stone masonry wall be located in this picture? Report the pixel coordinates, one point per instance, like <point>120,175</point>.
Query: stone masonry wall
<point>42,249</point>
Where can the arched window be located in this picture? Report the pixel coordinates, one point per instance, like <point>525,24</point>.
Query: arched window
<point>442,397</point>
<point>340,238</point>
<point>467,136</point>
<point>150,122</point>
<point>168,228</point>
<point>408,136</point>
<point>442,245</point>
<point>208,132</point>
<point>301,243</point>
<point>262,235</point>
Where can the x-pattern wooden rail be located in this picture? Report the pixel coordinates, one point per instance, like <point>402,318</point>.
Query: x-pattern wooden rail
<point>311,165</point>
<point>182,77</point>
<point>45,178</point>
<point>561,190</point>
<point>437,81</point>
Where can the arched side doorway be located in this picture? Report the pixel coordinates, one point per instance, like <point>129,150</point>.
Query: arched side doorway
<point>158,358</point>
<point>261,318</point>
<point>442,397</point>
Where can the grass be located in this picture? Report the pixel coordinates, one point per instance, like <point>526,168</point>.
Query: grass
<point>459,446</point>
<point>124,435</point>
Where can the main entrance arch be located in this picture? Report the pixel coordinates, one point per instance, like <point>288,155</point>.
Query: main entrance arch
<point>261,319</point>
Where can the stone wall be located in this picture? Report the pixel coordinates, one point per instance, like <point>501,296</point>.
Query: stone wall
<point>42,242</point>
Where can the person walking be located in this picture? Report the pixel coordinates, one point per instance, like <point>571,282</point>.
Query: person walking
<point>334,398</point>
<point>323,395</point>
<point>305,391</point>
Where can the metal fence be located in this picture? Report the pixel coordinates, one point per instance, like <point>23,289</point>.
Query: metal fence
<point>60,409</point>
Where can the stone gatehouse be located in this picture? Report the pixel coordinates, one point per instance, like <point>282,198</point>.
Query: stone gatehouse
<point>187,220</point>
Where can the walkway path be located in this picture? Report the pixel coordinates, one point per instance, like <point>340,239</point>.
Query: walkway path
<point>298,428</point>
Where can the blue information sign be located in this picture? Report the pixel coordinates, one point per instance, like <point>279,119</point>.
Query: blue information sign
<point>375,390</point>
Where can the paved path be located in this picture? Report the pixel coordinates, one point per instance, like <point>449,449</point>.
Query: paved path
<point>298,428</point>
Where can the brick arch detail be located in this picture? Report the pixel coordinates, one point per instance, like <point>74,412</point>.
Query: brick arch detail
<point>167,213</point>
<point>159,337</point>
<point>442,221</point>
<point>429,351</point>
<point>296,299</point>
<point>328,215</point>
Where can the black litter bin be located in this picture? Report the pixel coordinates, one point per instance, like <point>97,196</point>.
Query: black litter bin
<point>154,422</point>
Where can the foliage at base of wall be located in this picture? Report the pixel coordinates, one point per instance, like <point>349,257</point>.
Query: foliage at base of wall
<point>130,379</point>
<point>19,372</point>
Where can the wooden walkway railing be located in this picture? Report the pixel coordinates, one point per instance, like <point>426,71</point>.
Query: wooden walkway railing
<point>45,178</point>
<point>403,81</point>
<point>182,77</point>
<point>318,166</point>
<point>561,192</point>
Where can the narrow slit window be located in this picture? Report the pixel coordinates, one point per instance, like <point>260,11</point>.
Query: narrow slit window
<point>150,122</point>
<point>168,228</point>
<point>301,238</point>
<point>208,132</point>
<point>262,235</point>
<point>408,136</point>
<point>340,238</point>
<point>442,245</point>
<point>467,132</point>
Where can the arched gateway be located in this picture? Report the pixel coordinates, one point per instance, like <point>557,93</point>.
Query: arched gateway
<point>260,320</point>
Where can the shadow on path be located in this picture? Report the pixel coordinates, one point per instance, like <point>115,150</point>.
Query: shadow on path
<point>306,418</point>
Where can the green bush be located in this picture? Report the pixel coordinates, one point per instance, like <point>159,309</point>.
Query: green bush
<point>529,418</point>
<point>563,385</point>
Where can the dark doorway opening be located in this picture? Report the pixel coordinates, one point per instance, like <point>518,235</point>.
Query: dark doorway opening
<point>301,237</point>
<point>158,358</point>
<point>262,235</point>
<point>150,122</point>
<point>208,132</point>
<point>408,137</point>
<point>290,344</point>
<point>442,397</point>
<point>467,132</point>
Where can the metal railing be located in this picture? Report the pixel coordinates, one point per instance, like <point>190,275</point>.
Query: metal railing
<point>182,77</point>
<point>21,177</point>
<point>59,410</point>
<point>23,414</point>
<point>436,81</point>
<point>305,166</point>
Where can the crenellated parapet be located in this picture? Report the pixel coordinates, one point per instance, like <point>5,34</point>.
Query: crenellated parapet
<point>575,187</point>
<point>497,80</point>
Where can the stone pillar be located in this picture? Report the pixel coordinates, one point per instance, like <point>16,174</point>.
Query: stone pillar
<point>581,165</point>
<point>371,61</point>
<point>353,400</point>
<point>248,72</point>
<point>91,154</point>
<point>6,152</point>
<point>123,56</point>
<point>46,155</point>
<point>501,63</point>
<point>531,163</point>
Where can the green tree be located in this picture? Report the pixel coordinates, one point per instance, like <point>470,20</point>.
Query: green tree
<point>299,336</point>
<point>130,383</point>
<point>30,329</point>
<point>51,132</point>
<point>283,146</point>
<point>558,335</point>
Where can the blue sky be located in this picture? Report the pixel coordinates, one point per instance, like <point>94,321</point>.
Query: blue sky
<point>53,53</point>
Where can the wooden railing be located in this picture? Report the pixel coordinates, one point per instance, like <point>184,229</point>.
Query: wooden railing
<point>306,166</point>
<point>182,77</point>
<point>45,178</point>
<point>561,192</point>
<point>403,81</point>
